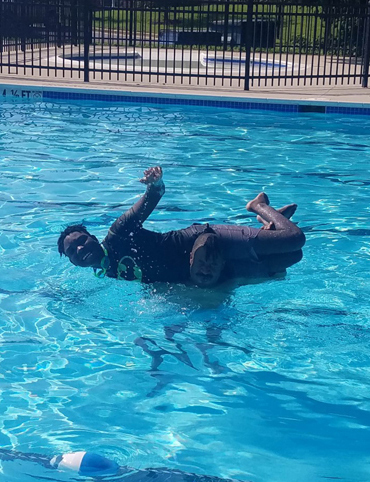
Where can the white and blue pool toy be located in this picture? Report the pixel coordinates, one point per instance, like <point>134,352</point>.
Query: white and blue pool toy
<point>93,465</point>
<point>85,463</point>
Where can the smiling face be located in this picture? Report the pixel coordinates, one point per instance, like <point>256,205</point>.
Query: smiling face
<point>83,250</point>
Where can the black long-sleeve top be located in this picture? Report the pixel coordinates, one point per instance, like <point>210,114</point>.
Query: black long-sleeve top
<point>137,253</point>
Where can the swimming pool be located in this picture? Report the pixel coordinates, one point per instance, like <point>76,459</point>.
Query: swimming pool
<point>266,382</point>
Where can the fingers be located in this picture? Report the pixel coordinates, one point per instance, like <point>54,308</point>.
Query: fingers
<point>269,226</point>
<point>151,175</point>
<point>266,225</point>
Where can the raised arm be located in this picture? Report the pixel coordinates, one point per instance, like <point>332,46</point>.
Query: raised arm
<point>141,210</point>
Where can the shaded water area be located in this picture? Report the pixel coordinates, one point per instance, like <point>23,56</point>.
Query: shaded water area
<point>263,382</point>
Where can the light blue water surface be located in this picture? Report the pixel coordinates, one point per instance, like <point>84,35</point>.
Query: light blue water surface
<point>264,382</point>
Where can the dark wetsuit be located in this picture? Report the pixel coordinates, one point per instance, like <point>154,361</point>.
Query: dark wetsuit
<point>136,253</point>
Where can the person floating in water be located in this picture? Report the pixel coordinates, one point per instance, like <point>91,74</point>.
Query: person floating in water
<point>131,252</point>
<point>208,262</point>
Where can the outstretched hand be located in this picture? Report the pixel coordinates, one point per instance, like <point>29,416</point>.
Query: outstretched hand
<point>152,175</point>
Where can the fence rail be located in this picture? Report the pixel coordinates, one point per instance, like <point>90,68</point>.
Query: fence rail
<point>223,43</point>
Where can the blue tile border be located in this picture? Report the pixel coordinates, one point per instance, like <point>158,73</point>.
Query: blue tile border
<point>233,104</point>
<point>347,110</point>
<point>18,92</point>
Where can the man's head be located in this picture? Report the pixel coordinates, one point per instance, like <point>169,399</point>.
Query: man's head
<point>206,260</point>
<point>82,248</point>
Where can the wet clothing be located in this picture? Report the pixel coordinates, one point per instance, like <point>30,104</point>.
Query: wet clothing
<point>137,253</point>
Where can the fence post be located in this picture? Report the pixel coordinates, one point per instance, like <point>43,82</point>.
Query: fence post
<point>226,24</point>
<point>87,37</point>
<point>59,23</point>
<point>366,59</point>
<point>24,27</point>
<point>131,7</point>
<point>74,22</point>
<point>1,29</point>
<point>248,44</point>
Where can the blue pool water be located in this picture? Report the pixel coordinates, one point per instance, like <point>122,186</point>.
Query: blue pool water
<point>265,382</point>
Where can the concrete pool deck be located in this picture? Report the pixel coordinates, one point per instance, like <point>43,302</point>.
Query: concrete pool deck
<point>349,95</point>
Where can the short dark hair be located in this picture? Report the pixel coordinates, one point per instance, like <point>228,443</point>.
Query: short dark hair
<point>73,228</point>
<point>210,241</point>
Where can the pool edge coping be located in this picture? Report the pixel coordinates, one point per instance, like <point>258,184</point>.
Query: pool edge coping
<point>39,92</point>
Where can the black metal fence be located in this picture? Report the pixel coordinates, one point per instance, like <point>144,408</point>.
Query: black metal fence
<point>203,42</point>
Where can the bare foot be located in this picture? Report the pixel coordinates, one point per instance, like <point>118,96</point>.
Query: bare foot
<point>288,210</point>
<point>261,198</point>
